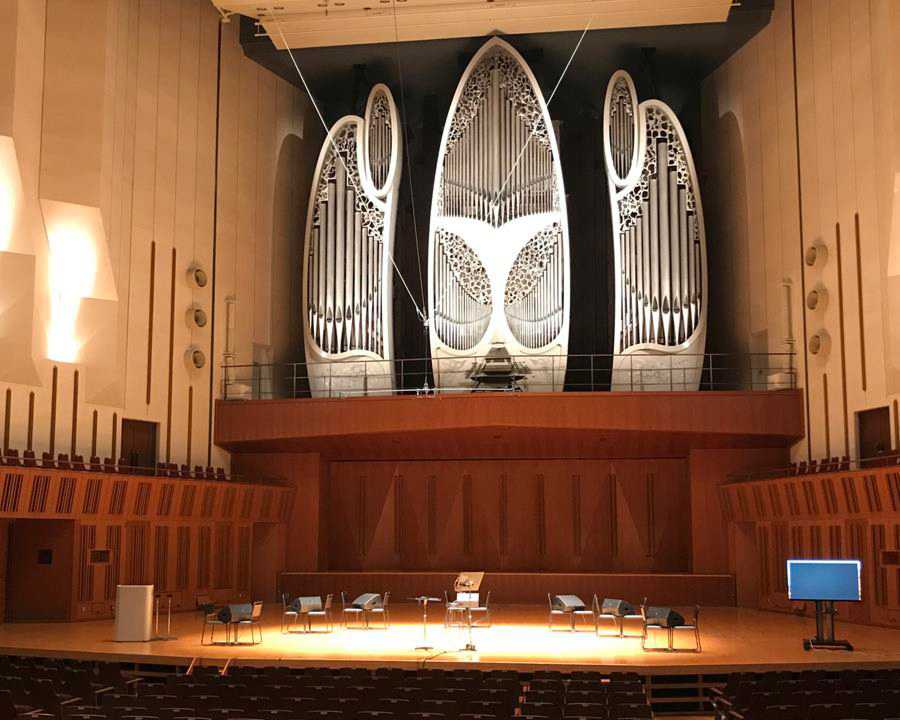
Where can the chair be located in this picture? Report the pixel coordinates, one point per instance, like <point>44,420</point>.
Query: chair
<point>28,459</point>
<point>47,460</point>
<point>198,472</point>
<point>212,620</point>
<point>122,465</point>
<point>62,460</point>
<point>210,473</point>
<point>289,614</point>
<point>185,471</point>
<point>220,474</point>
<point>587,613</point>
<point>553,612</point>
<point>633,619</point>
<point>78,462</point>
<point>95,464</point>
<point>653,626</point>
<point>254,621</point>
<point>484,611</point>
<point>600,615</point>
<point>350,611</point>
<point>451,608</point>
<point>108,465</point>
<point>383,610</point>
<point>325,612</point>
<point>693,625</point>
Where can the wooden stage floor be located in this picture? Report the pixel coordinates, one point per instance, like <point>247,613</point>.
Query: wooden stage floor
<point>732,638</point>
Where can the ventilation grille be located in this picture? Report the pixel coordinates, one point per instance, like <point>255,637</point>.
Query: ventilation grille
<point>164,507</point>
<point>142,499</point>
<point>117,497</point>
<point>91,503</point>
<point>40,490</point>
<point>188,493</point>
<point>66,496</point>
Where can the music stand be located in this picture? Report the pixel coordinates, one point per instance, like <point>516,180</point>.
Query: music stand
<point>468,582</point>
<point>423,600</point>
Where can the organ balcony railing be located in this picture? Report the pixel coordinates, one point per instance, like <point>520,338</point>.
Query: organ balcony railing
<point>583,373</point>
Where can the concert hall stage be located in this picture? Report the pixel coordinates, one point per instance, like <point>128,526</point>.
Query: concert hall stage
<point>733,639</point>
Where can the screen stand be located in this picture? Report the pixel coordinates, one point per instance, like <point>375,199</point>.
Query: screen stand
<point>824,639</point>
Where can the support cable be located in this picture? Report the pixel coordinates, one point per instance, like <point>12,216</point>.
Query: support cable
<point>337,154</point>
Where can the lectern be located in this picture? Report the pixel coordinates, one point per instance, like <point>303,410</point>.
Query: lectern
<point>134,613</point>
<point>467,585</point>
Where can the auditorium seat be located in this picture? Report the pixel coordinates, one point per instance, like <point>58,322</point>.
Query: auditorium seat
<point>47,460</point>
<point>10,457</point>
<point>62,461</point>
<point>122,465</point>
<point>78,462</point>
<point>28,459</point>
<point>95,464</point>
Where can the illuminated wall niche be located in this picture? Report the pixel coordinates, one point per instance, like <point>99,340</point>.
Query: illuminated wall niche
<point>78,268</point>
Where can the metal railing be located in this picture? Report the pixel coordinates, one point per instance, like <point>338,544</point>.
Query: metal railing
<point>573,373</point>
<point>821,466</point>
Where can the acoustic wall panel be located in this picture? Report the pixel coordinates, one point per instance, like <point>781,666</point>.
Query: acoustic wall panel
<point>498,258</point>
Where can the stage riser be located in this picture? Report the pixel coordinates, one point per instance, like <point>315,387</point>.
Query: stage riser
<point>525,588</point>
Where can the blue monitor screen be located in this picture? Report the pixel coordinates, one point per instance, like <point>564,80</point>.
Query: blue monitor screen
<point>824,580</point>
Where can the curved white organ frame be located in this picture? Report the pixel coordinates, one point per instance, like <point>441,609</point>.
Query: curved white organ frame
<point>660,244</point>
<point>498,258</point>
<point>347,268</point>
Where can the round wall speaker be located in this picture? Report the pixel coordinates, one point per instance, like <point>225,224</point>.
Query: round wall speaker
<point>817,298</point>
<point>196,317</point>
<point>197,276</point>
<point>195,358</point>
<point>816,255</point>
<point>819,344</point>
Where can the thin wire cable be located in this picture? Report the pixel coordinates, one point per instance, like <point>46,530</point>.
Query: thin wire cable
<point>496,202</point>
<point>340,157</point>
<point>406,153</point>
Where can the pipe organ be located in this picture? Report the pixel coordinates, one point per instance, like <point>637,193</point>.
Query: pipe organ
<point>498,259</point>
<point>659,244</point>
<point>347,273</point>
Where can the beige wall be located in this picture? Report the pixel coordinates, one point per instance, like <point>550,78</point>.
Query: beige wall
<point>110,106</point>
<point>848,94</point>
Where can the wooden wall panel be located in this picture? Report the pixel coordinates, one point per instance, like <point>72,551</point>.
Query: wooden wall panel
<point>848,514</point>
<point>508,515</point>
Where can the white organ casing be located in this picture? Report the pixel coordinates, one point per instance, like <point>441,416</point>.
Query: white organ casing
<point>498,256</point>
<point>659,237</point>
<point>347,269</point>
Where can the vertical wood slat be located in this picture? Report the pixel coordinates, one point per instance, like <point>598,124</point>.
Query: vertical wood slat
<point>94,419</point>
<point>859,289</point>
<point>150,321</point>
<point>6,420</point>
<point>827,424</point>
<point>171,359</point>
<point>30,443</point>
<point>73,448</point>
<point>53,392</point>
<point>841,325</point>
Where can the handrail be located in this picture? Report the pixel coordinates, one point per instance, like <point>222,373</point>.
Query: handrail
<point>8,459</point>
<point>583,372</point>
<point>825,466</point>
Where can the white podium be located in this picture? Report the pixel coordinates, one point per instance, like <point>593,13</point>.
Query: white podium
<point>134,613</point>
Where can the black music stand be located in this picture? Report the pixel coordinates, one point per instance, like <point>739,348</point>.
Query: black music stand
<point>468,582</point>
<point>824,639</point>
<point>423,600</point>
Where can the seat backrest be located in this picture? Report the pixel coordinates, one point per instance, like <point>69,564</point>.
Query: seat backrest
<point>329,599</point>
<point>256,613</point>
<point>386,598</point>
